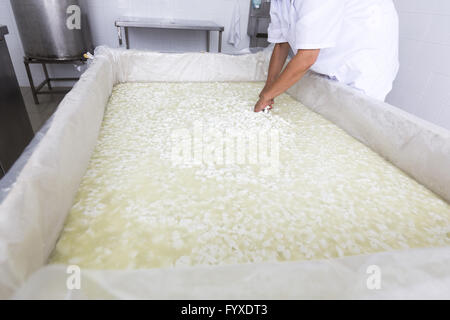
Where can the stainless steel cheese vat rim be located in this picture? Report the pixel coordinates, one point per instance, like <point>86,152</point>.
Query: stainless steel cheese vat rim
<point>3,29</point>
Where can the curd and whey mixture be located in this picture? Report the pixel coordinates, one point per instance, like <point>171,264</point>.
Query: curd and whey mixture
<point>330,196</point>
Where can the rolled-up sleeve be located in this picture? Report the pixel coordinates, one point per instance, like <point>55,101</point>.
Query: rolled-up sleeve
<point>319,23</point>
<point>275,34</point>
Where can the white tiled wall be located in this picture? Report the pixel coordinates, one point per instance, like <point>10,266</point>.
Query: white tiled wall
<point>102,14</point>
<point>423,84</point>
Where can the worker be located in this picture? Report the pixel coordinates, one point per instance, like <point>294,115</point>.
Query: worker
<point>352,41</point>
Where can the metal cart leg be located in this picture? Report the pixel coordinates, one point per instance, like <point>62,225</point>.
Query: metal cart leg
<point>220,41</point>
<point>208,40</point>
<point>127,38</point>
<point>47,78</point>
<point>119,35</point>
<point>30,79</point>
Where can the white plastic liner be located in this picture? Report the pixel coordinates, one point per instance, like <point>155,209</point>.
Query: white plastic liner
<point>35,206</point>
<point>33,212</point>
<point>404,275</point>
<point>419,148</point>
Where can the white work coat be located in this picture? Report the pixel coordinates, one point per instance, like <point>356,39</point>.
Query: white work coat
<point>358,39</point>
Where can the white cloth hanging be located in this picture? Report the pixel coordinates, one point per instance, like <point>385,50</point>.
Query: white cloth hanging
<point>234,36</point>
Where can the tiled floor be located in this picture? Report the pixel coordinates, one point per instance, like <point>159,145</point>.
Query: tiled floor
<point>39,113</point>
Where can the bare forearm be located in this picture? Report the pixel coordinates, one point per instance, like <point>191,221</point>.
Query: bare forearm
<point>277,61</point>
<point>293,72</point>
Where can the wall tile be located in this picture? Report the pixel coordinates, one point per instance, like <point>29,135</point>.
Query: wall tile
<point>423,83</point>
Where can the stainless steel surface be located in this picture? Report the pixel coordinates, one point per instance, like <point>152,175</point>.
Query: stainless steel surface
<point>258,23</point>
<point>3,31</point>
<point>43,30</point>
<point>15,127</point>
<point>127,38</point>
<point>179,24</point>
